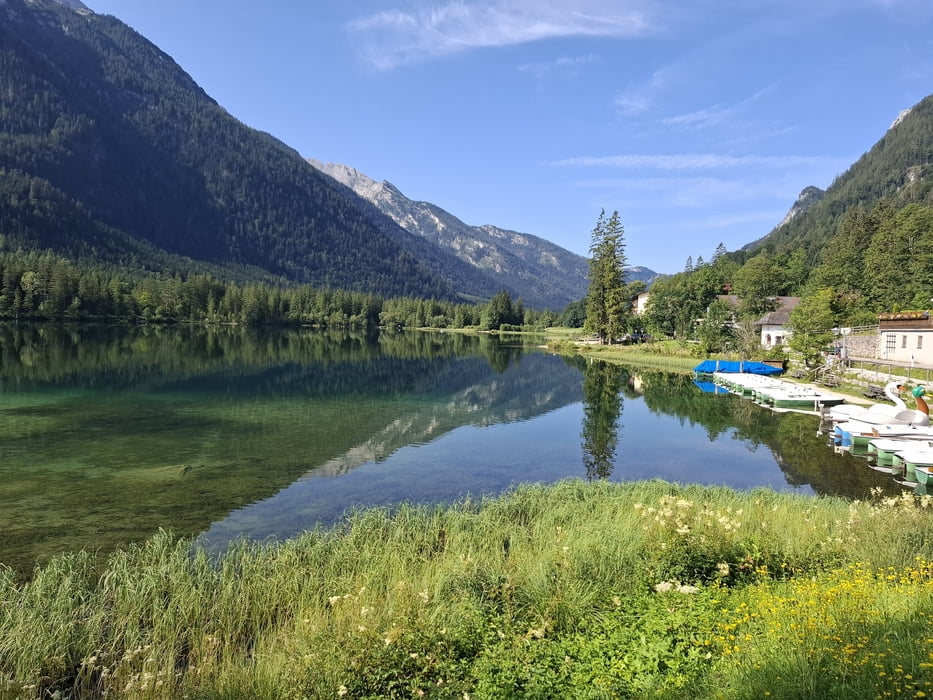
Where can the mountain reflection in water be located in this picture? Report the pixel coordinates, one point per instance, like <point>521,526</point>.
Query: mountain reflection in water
<point>108,434</point>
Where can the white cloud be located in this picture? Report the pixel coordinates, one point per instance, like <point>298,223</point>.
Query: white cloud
<point>696,191</point>
<point>701,119</point>
<point>640,98</point>
<point>565,65</point>
<point>696,161</point>
<point>397,37</point>
<point>702,194</point>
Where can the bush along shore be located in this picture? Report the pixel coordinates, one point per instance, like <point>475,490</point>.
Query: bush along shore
<point>575,590</point>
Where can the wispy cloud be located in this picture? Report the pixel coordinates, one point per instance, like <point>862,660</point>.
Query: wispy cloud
<point>701,119</point>
<point>433,28</point>
<point>637,99</point>
<point>696,193</point>
<point>695,161</point>
<point>565,66</point>
<point>397,37</point>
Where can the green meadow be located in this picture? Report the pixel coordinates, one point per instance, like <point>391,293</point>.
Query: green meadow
<point>575,590</point>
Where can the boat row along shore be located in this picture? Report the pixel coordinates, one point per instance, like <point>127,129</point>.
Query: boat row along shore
<point>896,440</point>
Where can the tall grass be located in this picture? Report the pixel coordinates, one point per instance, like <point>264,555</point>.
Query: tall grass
<point>586,590</point>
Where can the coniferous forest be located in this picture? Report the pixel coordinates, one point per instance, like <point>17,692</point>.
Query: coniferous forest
<point>110,153</point>
<point>127,192</point>
<point>41,286</point>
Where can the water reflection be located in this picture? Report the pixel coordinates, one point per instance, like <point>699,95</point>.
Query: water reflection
<point>602,409</point>
<point>109,433</point>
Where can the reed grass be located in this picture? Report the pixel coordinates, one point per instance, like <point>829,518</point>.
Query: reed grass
<point>587,590</point>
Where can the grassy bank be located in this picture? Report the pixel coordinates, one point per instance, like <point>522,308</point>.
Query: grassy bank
<point>668,355</point>
<point>577,590</point>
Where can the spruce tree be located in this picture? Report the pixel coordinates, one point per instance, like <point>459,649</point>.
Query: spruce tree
<point>605,298</point>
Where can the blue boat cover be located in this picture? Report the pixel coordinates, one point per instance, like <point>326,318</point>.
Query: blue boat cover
<point>746,366</point>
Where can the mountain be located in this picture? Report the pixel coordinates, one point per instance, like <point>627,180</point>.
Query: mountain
<point>644,274</point>
<point>809,197</point>
<point>111,154</point>
<point>534,267</point>
<point>898,169</point>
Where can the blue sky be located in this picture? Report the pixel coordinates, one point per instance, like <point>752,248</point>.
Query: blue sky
<point>700,121</point>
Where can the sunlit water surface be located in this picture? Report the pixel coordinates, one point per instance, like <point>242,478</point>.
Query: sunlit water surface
<point>108,434</point>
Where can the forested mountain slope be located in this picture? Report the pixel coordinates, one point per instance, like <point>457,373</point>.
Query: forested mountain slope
<point>535,268</point>
<point>898,169</point>
<point>110,152</point>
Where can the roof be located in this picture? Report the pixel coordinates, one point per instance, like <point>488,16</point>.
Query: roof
<point>774,318</point>
<point>781,315</point>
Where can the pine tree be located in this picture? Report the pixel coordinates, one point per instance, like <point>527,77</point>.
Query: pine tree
<point>605,298</point>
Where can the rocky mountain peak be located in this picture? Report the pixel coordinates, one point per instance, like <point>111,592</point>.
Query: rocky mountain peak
<point>808,197</point>
<point>542,273</point>
<point>900,117</point>
<point>347,175</point>
<point>70,4</point>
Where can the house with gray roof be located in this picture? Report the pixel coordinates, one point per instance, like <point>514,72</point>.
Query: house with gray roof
<point>775,325</point>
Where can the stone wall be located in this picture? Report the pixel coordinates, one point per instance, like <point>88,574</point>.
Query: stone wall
<point>862,345</point>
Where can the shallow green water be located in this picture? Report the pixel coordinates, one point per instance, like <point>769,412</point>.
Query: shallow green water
<point>108,434</point>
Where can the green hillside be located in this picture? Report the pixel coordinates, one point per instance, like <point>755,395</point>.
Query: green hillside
<point>897,169</point>
<point>110,153</point>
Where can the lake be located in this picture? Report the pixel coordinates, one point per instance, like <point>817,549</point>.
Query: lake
<point>108,433</point>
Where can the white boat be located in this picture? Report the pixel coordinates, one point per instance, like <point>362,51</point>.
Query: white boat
<point>924,475</point>
<point>910,459</point>
<point>884,449</point>
<point>860,434</point>
<point>920,456</point>
<point>879,413</point>
<point>847,411</point>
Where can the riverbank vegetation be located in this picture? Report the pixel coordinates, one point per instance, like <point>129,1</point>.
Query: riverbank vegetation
<point>584,590</point>
<point>668,355</point>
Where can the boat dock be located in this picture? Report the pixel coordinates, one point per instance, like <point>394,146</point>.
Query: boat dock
<point>778,393</point>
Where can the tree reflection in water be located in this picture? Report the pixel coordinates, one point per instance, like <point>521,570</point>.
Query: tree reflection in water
<point>602,409</point>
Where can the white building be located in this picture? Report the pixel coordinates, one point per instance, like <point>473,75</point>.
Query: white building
<point>906,337</point>
<point>641,303</point>
<point>775,325</point>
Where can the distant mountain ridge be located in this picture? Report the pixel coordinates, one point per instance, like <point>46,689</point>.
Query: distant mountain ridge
<point>534,267</point>
<point>97,119</point>
<point>113,155</point>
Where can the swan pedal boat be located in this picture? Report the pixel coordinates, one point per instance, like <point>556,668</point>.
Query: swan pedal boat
<point>878,413</point>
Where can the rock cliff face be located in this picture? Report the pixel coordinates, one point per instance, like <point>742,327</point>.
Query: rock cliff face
<point>535,268</point>
<point>807,199</point>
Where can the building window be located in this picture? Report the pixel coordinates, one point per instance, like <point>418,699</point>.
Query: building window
<point>919,342</point>
<point>890,342</point>
<point>778,340</point>
<point>903,341</point>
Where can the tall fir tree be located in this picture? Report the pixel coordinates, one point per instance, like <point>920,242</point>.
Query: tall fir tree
<point>605,298</point>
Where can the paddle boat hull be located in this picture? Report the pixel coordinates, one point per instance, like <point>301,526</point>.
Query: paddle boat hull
<point>910,459</point>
